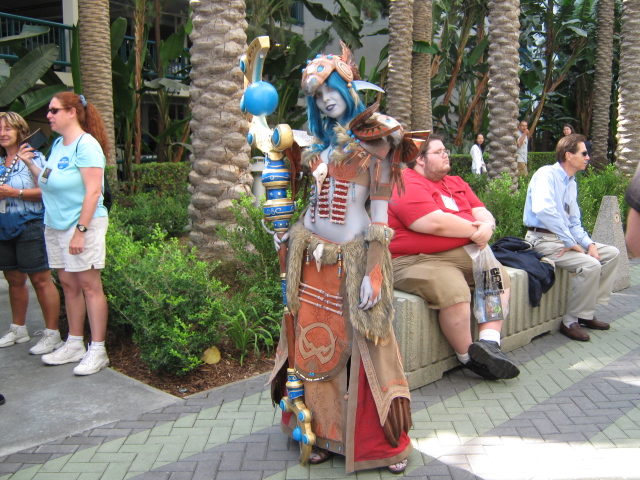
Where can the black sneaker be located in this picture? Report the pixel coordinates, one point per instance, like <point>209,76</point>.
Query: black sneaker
<point>1,399</point>
<point>489,355</point>
<point>480,369</point>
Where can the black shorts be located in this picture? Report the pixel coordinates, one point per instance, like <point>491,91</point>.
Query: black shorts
<point>26,252</point>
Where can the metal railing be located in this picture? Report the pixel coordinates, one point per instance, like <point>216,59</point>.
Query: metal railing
<point>177,69</point>
<point>60,35</point>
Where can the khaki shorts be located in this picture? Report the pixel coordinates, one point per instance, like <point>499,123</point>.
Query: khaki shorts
<point>441,279</point>
<point>94,247</point>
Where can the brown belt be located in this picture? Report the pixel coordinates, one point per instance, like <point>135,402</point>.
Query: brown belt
<point>541,230</point>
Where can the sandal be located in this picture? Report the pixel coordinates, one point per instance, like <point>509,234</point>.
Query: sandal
<point>399,467</point>
<point>319,455</point>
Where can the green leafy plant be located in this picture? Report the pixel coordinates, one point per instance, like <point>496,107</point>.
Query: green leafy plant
<point>161,199</point>
<point>592,186</point>
<point>144,212</point>
<point>252,246</point>
<point>535,160</point>
<point>256,270</point>
<point>164,178</point>
<point>245,330</point>
<point>506,207</point>
<point>32,65</point>
<point>167,298</point>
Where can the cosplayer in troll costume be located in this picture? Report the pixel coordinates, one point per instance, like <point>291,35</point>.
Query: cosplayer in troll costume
<point>339,277</point>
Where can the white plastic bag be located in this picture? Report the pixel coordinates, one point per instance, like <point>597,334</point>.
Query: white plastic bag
<point>488,305</point>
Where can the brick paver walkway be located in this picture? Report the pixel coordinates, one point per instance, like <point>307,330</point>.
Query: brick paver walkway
<point>573,413</point>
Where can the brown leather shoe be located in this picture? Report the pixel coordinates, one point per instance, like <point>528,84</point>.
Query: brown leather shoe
<point>574,332</point>
<point>595,324</point>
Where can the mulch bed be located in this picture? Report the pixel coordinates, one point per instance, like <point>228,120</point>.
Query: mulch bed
<point>124,356</point>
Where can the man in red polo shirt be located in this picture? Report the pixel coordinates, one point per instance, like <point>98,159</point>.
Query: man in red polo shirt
<point>433,220</point>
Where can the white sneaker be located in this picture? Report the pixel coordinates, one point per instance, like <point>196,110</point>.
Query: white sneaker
<point>68,353</point>
<point>95,360</point>
<point>49,342</point>
<point>16,334</point>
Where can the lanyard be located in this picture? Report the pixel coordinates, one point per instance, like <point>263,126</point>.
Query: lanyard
<point>7,171</point>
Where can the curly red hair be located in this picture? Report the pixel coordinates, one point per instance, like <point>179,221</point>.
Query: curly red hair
<point>88,117</point>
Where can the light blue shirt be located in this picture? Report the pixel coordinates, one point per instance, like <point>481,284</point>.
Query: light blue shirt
<point>64,191</point>
<point>552,203</point>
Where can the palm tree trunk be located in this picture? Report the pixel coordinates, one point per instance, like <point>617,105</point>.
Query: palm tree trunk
<point>504,93</point>
<point>220,163</point>
<point>95,62</point>
<point>421,68</point>
<point>400,48</point>
<point>628,147</point>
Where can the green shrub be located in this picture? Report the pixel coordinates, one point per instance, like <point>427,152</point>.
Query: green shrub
<point>258,295</point>
<point>258,274</point>
<point>141,212</point>
<point>247,329</point>
<point>507,207</point>
<point>592,186</point>
<point>461,163</point>
<point>535,160</point>
<point>165,296</point>
<point>163,178</point>
<point>252,246</point>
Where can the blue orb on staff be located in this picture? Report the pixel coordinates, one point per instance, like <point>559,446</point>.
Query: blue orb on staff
<point>260,98</point>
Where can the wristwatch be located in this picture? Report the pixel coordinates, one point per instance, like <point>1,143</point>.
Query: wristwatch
<point>82,228</point>
<point>20,194</point>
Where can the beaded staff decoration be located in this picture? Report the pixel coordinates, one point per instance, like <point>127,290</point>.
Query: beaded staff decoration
<point>257,102</point>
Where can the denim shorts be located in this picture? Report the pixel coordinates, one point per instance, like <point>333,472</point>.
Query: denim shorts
<point>26,252</point>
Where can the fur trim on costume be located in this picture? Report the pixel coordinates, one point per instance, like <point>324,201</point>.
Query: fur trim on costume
<point>375,321</point>
<point>309,155</point>
<point>380,233</point>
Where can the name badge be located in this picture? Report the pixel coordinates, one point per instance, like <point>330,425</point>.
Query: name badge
<point>45,175</point>
<point>449,202</point>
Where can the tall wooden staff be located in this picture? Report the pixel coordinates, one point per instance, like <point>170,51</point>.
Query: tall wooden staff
<point>261,99</point>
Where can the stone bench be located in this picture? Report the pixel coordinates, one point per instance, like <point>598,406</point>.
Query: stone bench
<point>426,354</point>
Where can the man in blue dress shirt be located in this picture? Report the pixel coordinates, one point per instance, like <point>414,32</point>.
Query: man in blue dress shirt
<point>552,215</point>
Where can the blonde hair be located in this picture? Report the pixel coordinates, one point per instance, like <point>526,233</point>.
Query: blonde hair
<point>16,122</point>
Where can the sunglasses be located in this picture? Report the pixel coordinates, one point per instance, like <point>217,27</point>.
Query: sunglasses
<point>585,153</point>
<point>53,111</point>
